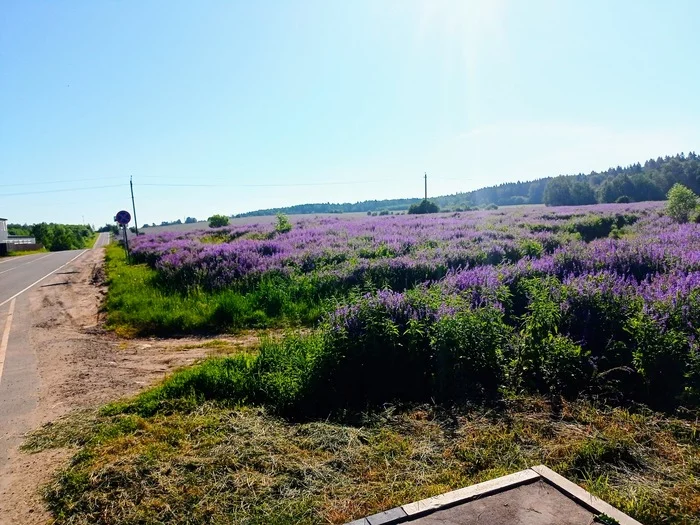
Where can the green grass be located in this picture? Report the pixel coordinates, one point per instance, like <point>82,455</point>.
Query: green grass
<point>28,252</point>
<point>139,304</point>
<point>208,444</point>
<point>213,463</point>
<point>90,241</point>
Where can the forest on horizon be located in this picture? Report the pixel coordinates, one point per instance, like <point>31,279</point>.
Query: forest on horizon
<point>634,183</point>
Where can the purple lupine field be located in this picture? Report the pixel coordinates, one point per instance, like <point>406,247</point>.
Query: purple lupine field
<point>601,299</point>
<point>655,257</point>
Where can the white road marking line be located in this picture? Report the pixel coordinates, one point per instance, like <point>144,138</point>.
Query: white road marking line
<point>44,277</point>
<point>6,336</point>
<point>24,264</point>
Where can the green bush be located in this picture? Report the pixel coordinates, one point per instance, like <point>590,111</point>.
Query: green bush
<point>218,221</point>
<point>530,248</point>
<point>468,354</point>
<point>283,224</point>
<point>681,203</point>
<point>660,356</point>
<point>424,207</point>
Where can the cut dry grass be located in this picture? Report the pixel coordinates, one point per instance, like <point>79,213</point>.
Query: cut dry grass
<point>221,464</point>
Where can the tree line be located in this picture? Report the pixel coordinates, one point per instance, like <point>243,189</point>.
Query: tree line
<point>55,237</point>
<point>636,182</point>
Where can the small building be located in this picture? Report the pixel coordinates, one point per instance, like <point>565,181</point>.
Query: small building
<point>15,243</point>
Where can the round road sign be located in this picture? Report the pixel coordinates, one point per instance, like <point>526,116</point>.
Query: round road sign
<point>123,217</point>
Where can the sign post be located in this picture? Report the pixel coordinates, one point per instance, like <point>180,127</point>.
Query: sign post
<point>123,218</point>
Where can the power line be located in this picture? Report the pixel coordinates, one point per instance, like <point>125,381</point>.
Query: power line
<point>341,183</point>
<point>58,181</point>
<point>176,185</point>
<point>62,190</point>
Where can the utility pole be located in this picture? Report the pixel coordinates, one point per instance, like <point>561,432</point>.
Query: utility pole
<point>133,204</point>
<point>426,185</point>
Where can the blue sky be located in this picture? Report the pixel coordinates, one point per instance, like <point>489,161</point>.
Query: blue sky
<point>224,107</point>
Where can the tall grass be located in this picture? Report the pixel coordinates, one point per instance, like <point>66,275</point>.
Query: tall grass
<point>139,303</point>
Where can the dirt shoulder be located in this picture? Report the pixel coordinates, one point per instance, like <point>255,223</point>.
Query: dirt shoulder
<point>81,366</point>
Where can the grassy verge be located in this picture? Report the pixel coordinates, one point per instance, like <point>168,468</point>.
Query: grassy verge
<point>90,241</point>
<point>226,464</point>
<point>28,252</point>
<point>139,304</point>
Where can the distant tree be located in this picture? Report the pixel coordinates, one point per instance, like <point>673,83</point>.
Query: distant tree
<point>16,229</point>
<point>681,203</point>
<point>109,228</point>
<point>558,192</point>
<point>190,220</point>
<point>425,206</point>
<point>217,221</point>
<point>582,193</point>
<point>283,224</point>
<point>622,199</point>
<point>63,238</point>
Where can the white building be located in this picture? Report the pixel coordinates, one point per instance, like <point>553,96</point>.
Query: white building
<point>3,230</point>
<point>6,238</point>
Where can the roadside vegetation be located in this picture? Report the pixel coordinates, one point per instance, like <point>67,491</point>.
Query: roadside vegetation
<point>422,354</point>
<point>57,237</point>
<point>25,252</point>
<point>215,462</point>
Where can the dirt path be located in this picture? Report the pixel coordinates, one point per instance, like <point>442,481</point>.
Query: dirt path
<point>79,365</point>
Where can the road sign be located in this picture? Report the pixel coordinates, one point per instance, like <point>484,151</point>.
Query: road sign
<point>123,218</point>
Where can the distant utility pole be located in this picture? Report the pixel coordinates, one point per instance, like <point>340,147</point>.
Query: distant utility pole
<point>426,185</point>
<point>133,204</point>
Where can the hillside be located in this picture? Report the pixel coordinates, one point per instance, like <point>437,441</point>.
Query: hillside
<point>636,182</point>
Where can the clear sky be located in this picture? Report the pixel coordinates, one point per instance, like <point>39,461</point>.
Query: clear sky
<point>225,107</point>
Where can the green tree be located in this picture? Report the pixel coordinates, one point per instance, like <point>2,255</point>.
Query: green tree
<point>63,238</point>
<point>283,224</point>
<point>558,192</point>
<point>582,193</point>
<point>681,203</point>
<point>217,221</point>
<point>425,206</point>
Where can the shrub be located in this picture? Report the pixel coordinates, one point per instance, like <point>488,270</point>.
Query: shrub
<point>283,224</point>
<point>424,207</point>
<point>681,203</point>
<point>218,221</point>
<point>468,353</point>
<point>531,248</point>
<point>660,357</point>
<point>623,199</point>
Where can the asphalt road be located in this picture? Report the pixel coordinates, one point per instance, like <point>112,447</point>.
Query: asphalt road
<point>19,379</point>
<point>18,274</point>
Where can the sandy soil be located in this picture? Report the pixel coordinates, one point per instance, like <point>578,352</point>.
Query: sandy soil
<point>82,366</point>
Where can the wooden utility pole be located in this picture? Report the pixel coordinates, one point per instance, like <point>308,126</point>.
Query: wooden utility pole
<point>426,185</point>
<point>133,205</point>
